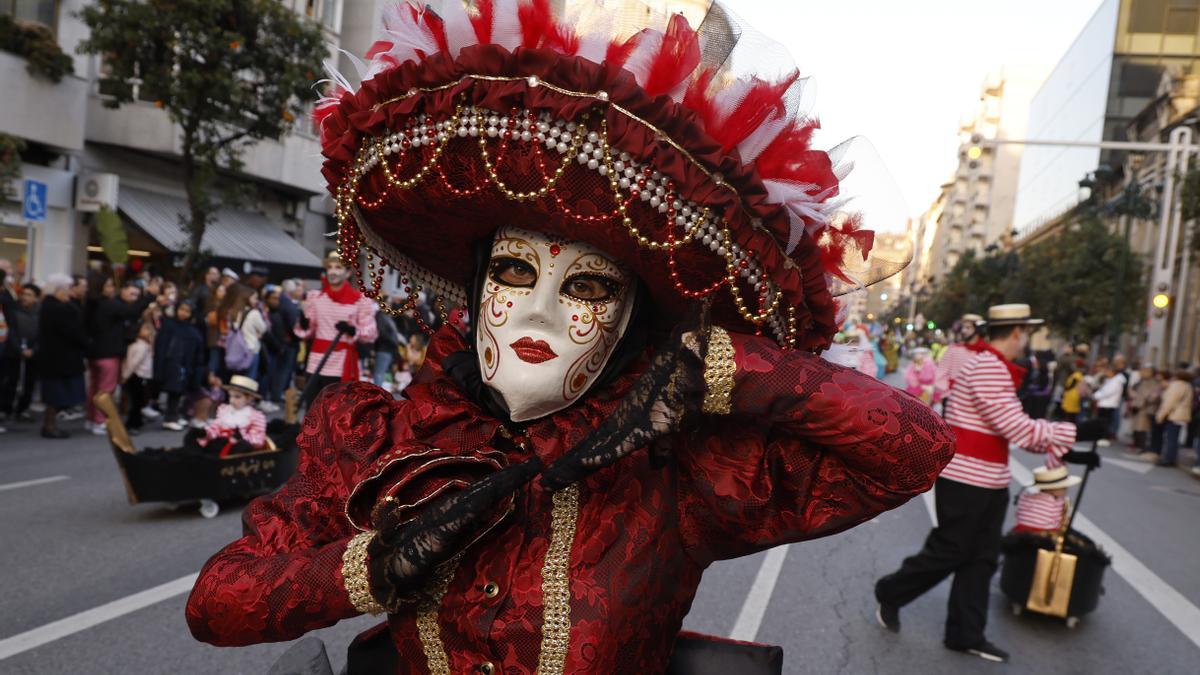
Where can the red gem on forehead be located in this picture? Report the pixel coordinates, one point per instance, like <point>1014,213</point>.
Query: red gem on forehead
<point>554,249</point>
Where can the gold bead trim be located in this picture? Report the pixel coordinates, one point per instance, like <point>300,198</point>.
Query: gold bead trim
<point>556,594</point>
<point>428,629</point>
<point>741,266</point>
<point>719,368</point>
<point>354,574</point>
<point>556,582</point>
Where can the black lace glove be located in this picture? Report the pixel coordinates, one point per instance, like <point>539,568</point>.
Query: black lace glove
<point>1089,459</point>
<point>670,392</point>
<point>1091,430</point>
<point>346,327</point>
<point>403,555</point>
<point>303,321</point>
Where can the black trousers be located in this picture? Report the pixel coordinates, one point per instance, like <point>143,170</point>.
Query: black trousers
<point>29,382</point>
<point>10,376</point>
<point>965,543</point>
<point>136,388</point>
<point>312,388</point>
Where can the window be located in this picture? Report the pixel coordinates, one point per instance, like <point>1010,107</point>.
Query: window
<point>1146,16</point>
<point>327,12</point>
<point>41,11</point>
<point>1182,17</point>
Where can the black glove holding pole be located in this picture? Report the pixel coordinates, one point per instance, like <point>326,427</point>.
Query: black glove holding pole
<point>1090,458</point>
<point>346,327</point>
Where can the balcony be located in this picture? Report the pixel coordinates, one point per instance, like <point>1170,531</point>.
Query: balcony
<point>294,162</point>
<point>39,110</point>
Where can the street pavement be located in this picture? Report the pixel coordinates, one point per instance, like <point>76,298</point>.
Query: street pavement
<point>76,557</point>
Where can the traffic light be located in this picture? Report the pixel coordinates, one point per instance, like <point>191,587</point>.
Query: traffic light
<point>930,325</point>
<point>1161,300</point>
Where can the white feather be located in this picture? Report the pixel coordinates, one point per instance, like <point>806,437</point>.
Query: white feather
<point>506,24</point>
<point>730,97</point>
<point>806,206</point>
<point>758,140</point>
<point>642,59</point>
<point>336,76</point>
<point>359,66</point>
<point>593,47</point>
<point>459,31</point>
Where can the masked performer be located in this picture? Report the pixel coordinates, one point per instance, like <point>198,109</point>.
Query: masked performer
<point>645,244</point>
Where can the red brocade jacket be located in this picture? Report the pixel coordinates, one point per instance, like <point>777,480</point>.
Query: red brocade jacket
<point>810,449</point>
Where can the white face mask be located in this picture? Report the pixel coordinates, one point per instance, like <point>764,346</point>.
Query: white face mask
<point>551,313</point>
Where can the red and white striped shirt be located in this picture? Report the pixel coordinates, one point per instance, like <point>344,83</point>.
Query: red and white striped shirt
<point>248,421</point>
<point>323,316</point>
<point>1040,511</point>
<point>987,417</point>
<point>955,357</point>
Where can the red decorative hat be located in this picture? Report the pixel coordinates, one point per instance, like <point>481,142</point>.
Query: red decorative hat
<point>633,132</point>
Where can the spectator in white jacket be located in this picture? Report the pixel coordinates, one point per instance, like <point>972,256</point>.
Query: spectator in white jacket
<point>1110,397</point>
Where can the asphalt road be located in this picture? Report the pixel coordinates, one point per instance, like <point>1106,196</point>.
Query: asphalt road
<point>74,544</point>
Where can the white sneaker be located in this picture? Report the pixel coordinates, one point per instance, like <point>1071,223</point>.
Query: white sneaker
<point>268,407</point>
<point>1104,442</point>
<point>173,425</point>
<point>99,429</point>
<point>199,424</point>
<point>69,415</point>
<point>150,413</point>
<point>1196,471</point>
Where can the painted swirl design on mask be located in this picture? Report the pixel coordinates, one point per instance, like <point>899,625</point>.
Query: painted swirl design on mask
<point>497,302</point>
<point>594,323</point>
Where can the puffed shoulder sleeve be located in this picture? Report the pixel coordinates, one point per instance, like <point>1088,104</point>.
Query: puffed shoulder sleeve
<point>283,577</point>
<point>809,449</point>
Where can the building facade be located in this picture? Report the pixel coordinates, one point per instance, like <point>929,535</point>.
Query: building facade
<point>82,146</point>
<point>1110,74</point>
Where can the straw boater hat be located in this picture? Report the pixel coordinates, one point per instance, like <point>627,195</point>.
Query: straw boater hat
<point>681,149</point>
<point>243,384</point>
<point>973,318</point>
<point>1050,479</point>
<point>1011,315</point>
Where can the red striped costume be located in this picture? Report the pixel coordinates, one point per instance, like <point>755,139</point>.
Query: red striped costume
<point>1040,512</point>
<point>987,417</point>
<point>956,356</point>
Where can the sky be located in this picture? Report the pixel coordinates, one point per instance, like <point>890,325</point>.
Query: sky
<point>902,73</point>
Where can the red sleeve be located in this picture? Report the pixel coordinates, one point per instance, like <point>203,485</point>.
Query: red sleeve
<point>283,578</point>
<point>810,449</point>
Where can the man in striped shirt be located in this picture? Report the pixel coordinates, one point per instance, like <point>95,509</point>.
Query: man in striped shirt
<point>972,492</point>
<point>957,354</point>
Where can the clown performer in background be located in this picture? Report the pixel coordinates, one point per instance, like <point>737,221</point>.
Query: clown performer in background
<point>645,243</point>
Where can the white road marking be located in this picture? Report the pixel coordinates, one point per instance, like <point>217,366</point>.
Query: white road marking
<point>927,497</point>
<point>755,606</point>
<point>1169,602</point>
<point>1128,465</point>
<point>31,483</point>
<point>31,639</point>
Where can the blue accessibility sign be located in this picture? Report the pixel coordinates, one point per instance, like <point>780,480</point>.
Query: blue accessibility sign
<point>35,201</point>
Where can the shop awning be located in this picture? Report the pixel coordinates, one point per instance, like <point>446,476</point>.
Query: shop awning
<point>235,234</point>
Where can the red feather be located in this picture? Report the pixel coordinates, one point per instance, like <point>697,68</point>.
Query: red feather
<point>537,22</point>
<point>834,242</point>
<point>482,21</point>
<point>380,47</point>
<point>618,52</point>
<point>562,38</point>
<point>762,101</point>
<point>676,59</point>
<point>437,27</point>
<point>790,157</point>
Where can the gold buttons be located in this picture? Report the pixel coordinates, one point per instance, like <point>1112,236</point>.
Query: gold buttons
<point>491,590</point>
<point>487,668</point>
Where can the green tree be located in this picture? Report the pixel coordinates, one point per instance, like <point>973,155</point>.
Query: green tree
<point>1075,280</point>
<point>230,73</point>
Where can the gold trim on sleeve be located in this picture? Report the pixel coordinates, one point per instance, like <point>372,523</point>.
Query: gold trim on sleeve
<point>719,368</point>
<point>354,574</point>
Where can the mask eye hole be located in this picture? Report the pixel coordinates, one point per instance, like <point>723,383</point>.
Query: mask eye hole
<point>512,272</point>
<point>591,288</point>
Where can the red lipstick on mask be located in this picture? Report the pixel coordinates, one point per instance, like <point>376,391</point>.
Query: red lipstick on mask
<point>533,351</point>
